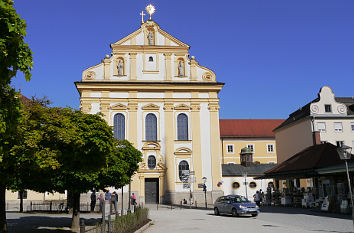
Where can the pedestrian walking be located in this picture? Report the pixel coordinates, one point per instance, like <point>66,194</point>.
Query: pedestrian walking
<point>93,200</point>
<point>133,201</point>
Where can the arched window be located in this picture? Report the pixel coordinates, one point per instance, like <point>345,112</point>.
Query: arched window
<point>119,126</point>
<point>151,162</point>
<point>183,166</point>
<point>182,127</point>
<point>150,127</point>
<point>151,59</point>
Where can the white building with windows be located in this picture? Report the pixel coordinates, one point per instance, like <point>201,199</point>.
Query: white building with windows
<point>157,96</point>
<point>325,119</point>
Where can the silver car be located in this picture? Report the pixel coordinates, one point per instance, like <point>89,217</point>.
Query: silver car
<point>235,205</point>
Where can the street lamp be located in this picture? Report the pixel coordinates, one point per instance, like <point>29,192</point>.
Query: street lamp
<point>205,189</point>
<point>245,183</point>
<point>345,154</point>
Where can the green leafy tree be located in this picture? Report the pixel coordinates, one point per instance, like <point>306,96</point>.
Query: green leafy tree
<point>10,116</point>
<point>15,56</point>
<point>65,148</point>
<point>121,165</point>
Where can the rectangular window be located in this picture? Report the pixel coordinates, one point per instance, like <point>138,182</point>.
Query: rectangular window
<point>352,126</point>
<point>328,108</point>
<point>321,126</point>
<point>251,146</point>
<point>338,127</point>
<point>230,148</point>
<point>339,143</point>
<point>270,148</point>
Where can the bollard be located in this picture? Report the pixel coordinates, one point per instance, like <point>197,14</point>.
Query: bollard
<point>103,228</point>
<point>181,205</point>
<point>196,204</point>
<point>50,206</point>
<point>171,205</point>
<point>82,226</point>
<point>109,216</point>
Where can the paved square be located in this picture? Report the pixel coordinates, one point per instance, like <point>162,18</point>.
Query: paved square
<point>271,219</point>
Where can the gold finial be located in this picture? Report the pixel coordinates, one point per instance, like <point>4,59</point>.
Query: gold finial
<point>150,9</point>
<point>142,16</point>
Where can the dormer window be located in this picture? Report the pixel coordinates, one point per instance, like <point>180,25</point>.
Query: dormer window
<point>151,59</point>
<point>328,108</point>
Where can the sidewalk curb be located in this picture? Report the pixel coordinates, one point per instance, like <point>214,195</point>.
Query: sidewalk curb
<point>145,227</point>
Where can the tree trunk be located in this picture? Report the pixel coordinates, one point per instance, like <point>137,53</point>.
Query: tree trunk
<point>75,223</point>
<point>21,201</point>
<point>69,202</point>
<point>3,225</point>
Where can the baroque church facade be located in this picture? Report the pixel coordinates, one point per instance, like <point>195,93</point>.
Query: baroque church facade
<point>157,96</point>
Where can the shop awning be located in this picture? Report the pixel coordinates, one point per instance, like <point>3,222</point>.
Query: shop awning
<point>306,163</point>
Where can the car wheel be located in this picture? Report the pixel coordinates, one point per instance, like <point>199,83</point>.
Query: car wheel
<point>234,212</point>
<point>216,211</point>
<point>254,215</point>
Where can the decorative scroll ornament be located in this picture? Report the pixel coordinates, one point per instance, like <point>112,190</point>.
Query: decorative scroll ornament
<point>207,76</point>
<point>314,108</point>
<point>341,108</point>
<point>90,75</point>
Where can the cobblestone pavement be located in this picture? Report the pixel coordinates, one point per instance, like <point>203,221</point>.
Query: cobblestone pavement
<point>271,219</point>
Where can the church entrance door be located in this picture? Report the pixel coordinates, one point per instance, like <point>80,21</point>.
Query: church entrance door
<point>151,190</point>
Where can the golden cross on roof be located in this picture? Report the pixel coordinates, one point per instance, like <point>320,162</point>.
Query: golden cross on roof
<point>142,16</point>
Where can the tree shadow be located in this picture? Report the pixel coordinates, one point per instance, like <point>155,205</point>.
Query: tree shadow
<point>44,224</point>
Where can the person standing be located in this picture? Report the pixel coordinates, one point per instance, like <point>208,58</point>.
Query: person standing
<point>257,198</point>
<point>114,201</point>
<point>93,200</point>
<point>108,195</point>
<point>101,199</point>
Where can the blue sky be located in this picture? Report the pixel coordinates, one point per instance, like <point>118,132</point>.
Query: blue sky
<point>272,55</point>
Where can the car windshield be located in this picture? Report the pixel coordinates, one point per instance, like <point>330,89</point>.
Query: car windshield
<point>238,199</point>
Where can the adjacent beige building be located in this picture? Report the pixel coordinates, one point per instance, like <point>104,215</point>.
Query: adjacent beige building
<point>325,119</point>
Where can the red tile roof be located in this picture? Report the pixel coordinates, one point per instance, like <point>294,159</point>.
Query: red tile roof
<point>241,128</point>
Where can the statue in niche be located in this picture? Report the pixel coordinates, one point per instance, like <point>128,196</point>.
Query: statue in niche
<point>180,68</point>
<point>151,38</point>
<point>120,67</point>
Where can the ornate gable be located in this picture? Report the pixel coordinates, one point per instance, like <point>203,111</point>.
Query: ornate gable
<point>140,37</point>
<point>182,107</point>
<point>119,107</point>
<point>151,107</point>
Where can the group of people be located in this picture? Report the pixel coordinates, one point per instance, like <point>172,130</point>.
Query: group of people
<point>113,197</point>
<point>258,197</point>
